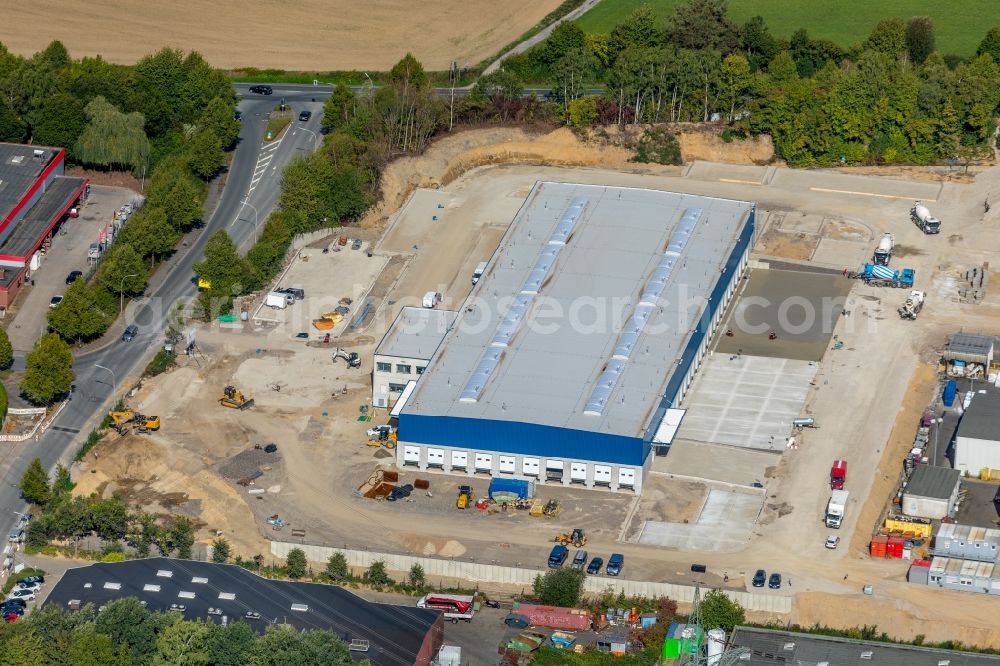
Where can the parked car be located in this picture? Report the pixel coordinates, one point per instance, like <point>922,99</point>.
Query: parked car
<point>12,608</point>
<point>305,115</point>
<point>73,276</point>
<point>261,90</point>
<point>595,566</point>
<point>34,587</point>
<point>27,595</point>
<point>130,332</point>
<point>774,582</point>
<point>238,115</point>
<point>759,578</point>
<point>615,563</point>
<point>579,560</point>
<point>558,556</point>
<point>32,579</point>
<point>295,292</point>
<point>13,603</point>
<point>832,542</point>
<point>56,300</point>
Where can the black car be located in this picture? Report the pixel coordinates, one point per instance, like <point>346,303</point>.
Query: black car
<point>558,556</point>
<point>73,276</point>
<point>13,603</point>
<point>595,566</point>
<point>130,332</point>
<point>305,115</point>
<point>759,578</point>
<point>774,582</point>
<point>615,563</point>
<point>261,90</point>
<point>238,115</point>
<point>32,579</point>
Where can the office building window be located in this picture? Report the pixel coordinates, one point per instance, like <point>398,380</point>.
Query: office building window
<point>383,367</point>
<point>404,368</point>
<point>420,369</point>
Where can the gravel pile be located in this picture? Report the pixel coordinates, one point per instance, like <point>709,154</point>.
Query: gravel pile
<point>246,464</point>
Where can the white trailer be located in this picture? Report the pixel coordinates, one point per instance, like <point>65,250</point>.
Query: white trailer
<point>835,508</point>
<point>276,300</point>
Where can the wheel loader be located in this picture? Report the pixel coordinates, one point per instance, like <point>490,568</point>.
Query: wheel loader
<point>143,423</point>
<point>577,538</point>
<point>233,398</point>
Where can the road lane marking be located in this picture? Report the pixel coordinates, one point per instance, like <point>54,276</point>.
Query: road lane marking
<point>867,194</point>
<point>741,182</point>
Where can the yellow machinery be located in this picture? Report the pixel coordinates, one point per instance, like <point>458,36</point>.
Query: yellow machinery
<point>388,441</point>
<point>143,423</point>
<point>203,284</point>
<point>233,398</point>
<point>464,497</point>
<point>576,537</point>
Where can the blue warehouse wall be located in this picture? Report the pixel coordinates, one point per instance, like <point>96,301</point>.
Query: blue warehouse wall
<point>528,439</point>
<point>741,246</point>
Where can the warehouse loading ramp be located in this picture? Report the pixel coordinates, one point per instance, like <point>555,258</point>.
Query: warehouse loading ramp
<point>667,430</point>
<point>402,399</point>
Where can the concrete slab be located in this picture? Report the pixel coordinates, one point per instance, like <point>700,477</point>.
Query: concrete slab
<point>716,462</point>
<point>724,524</point>
<point>842,253</point>
<point>727,173</point>
<point>830,182</point>
<point>746,401</point>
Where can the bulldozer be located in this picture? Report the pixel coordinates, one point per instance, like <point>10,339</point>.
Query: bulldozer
<point>577,538</point>
<point>143,423</point>
<point>351,358</point>
<point>233,398</point>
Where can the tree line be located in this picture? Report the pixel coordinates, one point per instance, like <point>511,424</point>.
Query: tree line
<point>892,99</point>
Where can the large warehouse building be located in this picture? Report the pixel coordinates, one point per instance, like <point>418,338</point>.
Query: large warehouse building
<point>568,357</point>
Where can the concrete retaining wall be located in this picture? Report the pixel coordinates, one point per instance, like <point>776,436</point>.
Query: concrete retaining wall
<point>489,573</point>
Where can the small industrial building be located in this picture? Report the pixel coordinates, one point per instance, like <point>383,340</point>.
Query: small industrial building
<point>773,647</point>
<point>967,542</point>
<point>34,197</point>
<point>393,635</point>
<point>964,575</point>
<point>405,350</point>
<point>572,353</point>
<point>968,354</point>
<point>932,492</point>
<point>977,440</point>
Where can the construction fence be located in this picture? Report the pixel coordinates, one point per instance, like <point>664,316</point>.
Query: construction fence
<point>477,573</point>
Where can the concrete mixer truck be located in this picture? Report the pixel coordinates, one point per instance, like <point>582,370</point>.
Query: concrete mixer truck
<point>921,216</point>
<point>883,252</point>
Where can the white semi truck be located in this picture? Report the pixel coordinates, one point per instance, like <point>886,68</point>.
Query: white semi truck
<point>835,508</point>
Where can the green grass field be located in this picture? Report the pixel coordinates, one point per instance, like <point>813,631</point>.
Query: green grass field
<point>959,26</point>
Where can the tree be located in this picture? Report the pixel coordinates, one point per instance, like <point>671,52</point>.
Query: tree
<point>229,273</point>
<point>560,587</point>
<point>377,576</point>
<point>219,117</point>
<point>566,37</point>
<point>416,578</point>
<point>336,568</point>
<point>35,483</point>
<point>150,233</point>
<point>59,121</point>
<point>582,113</point>
<point>888,37</point>
<point>231,645</point>
<point>112,138</point>
<point>63,483</point>
<point>718,610</point>
<point>338,107</point>
<point>919,38</point>
<point>49,370</point>
<point>131,626</point>
<point>122,270</point>
<point>89,647</point>
<point>205,155</point>
<point>80,316</point>
<point>12,128</point>
<point>408,73</point>
<point>183,644</point>
<point>220,550</point>
<point>757,42</point>
<point>503,89</point>
<point>572,72</point>
<point>735,80</point>
<point>990,45</point>
<point>283,644</point>
<point>182,537</point>
<point>6,350</point>
<point>296,563</point>
<point>702,25</point>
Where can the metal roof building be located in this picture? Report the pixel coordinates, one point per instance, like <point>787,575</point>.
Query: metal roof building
<point>394,634</point>
<point>931,492</point>
<point>977,439</point>
<point>970,348</point>
<point>588,325</point>
<point>967,542</point>
<point>964,575</point>
<point>770,647</point>
<point>405,349</point>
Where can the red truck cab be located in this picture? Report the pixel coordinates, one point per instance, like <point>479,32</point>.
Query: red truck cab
<point>838,474</point>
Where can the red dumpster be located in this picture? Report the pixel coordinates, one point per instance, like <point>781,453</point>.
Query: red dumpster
<point>878,546</point>
<point>894,547</point>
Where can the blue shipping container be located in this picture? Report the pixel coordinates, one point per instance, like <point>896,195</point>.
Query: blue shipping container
<point>950,390</point>
<point>523,488</point>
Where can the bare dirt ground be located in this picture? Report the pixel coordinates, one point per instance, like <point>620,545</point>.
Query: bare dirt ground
<point>312,35</point>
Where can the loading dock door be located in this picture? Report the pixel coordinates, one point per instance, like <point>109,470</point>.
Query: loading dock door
<point>554,470</point>
<point>626,477</point>
<point>602,475</point>
<point>508,464</point>
<point>411,455</point>
<point>484,462</point>
<point>531,466</point>
<point>435,457</point>
<point>459,459</point>
<point>578,472</point>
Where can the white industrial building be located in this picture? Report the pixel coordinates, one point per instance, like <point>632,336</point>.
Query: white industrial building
<point>405,349</point>
<point>932,492</point>
<point>569,359</point>
<point>977,441</point>
<point>967,542</point>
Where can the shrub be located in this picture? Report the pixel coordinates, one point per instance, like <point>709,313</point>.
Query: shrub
<point>659,146</point>
<point>161,362</point>
<point>92,439</point>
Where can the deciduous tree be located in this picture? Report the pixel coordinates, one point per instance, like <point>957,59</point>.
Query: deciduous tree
<point>122,270</point>
<point>49,370</point>
<point>919,38</point>
<point>35,483</point>
<point>220,550</point>
<point>702,25</point>
<point>336,568</point>
<point>205,155</point>
<point>6,350</point>
<point>560,587</point>
<point>296,563</point>
<point>80,316</point>
<point>719,611</point>
<point>112,138</point>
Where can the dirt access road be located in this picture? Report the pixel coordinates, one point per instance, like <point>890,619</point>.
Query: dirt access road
<point>308,35</point>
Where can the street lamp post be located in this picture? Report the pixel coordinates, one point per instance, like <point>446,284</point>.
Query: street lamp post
<point>114,380</point>
<point>121,292</point>
<point>255,216</point>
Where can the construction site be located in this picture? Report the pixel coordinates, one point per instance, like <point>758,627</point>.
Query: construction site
<point>828,350</point>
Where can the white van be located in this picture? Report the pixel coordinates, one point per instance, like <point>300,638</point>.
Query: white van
<point>480,269</point>
<point>276,300</point>
<point>431,299</point>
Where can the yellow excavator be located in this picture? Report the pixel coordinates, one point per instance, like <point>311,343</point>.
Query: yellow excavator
<point>233,398</point>
<point>143,423</point>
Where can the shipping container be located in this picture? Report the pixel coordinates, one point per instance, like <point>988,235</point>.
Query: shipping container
<point>894,547</point>
<point>950,390</point>
<point>521,487</point>
<point>878,546</point>
<point>554,617</point>
<point>909,527</point>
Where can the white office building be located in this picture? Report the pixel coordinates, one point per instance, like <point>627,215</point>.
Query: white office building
<point>405,349</point>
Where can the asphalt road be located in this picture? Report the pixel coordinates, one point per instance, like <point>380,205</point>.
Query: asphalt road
<point>319,92</point>
<point>252,188</point>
